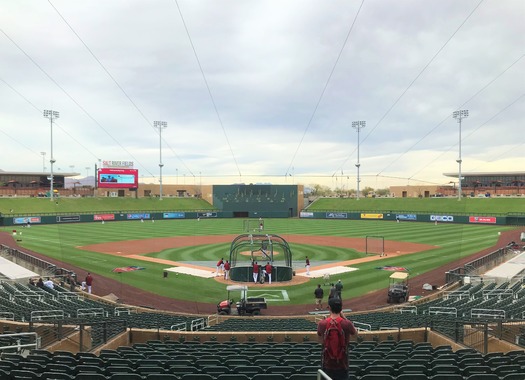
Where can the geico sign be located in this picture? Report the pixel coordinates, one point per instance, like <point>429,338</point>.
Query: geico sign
<point>442,218</point>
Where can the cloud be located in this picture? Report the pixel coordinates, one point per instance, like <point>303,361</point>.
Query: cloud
<point>259,113</point>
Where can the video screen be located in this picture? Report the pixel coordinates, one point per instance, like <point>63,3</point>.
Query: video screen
<point>118,178</point>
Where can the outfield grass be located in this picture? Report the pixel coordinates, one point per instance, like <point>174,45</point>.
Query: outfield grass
<point>424,205</point>
<point>481,206</point>
<point>61,242</point>
<point>10,206</point>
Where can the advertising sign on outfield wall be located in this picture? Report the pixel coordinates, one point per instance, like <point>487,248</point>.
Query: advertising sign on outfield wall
<point>137,216</point>
<point>68,218</point>
<point>207,214</point>
<point>173,215</point>
<point>371,216</point>
<point>305,214</point>
<point>104,217</point>
<point>406,216</point>
<point>482,219</point>
<point>336,215</point>
<point>441,218</point>
<point>28,219</point>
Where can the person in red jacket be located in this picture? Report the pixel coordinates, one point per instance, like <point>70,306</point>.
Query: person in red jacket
<point>268,269</point>
<point>89,282</point>
<point>255,272</point>
<point>220,264</point>
<point>336,369</point>
<point>226,269</point>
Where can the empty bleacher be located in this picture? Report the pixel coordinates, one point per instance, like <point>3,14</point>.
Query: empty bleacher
<point>157,360</point>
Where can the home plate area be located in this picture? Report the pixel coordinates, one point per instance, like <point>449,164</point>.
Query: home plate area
<point>192,271</point>
<point>327,272</point>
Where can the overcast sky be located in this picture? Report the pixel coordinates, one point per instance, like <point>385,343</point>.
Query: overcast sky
<point>264,91</point>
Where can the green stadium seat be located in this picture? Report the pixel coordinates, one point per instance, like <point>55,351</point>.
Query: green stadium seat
<point>413,369</point>
<point>215,370</point>
<point>377,376</point>
<point>483,376</point>
<point>146,370</point>
<point>180,370</point>
<point>62,368</point>
<point>269,376</point>
<point>56,376</point>
<point>194,376</point>
<point>284,370</point>
<point>233,376</point>
<point>19,374</point>
<point>162,376</point>
<point>90,376</point>
<point>505,369</point>
<point>412,376</point>
<point>125,376</point>
<point>475,370</point>
<point>32,366</point>
<point>304,376</point>
<point>514,376</point>
<point>447,376</point>
<point>444,369</point>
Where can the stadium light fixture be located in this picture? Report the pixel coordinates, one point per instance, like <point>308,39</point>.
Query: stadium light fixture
<point>51,115</point>
<point>459,115</point>
<point>358,125</point>
<point>160,125</point>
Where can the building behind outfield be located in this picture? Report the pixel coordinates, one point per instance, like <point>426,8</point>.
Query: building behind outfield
<point>482,184</point>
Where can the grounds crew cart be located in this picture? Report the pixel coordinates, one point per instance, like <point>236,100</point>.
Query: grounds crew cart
<point>398,288</point>
<point>245,305</point>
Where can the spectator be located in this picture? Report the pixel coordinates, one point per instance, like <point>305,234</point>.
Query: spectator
<point>334,362</point>
<point>333,292</point>
<point>89,282</point>
<point>318,293</point>
<point>72,282</point>
<point>48,283</point>
<point>40,283</point>
<point>339,289</point>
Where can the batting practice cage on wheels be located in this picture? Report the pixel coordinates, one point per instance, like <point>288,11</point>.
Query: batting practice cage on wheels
<point>262,249</point>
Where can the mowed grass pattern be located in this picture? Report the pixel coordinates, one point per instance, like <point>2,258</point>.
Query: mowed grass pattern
<point>62,241</point>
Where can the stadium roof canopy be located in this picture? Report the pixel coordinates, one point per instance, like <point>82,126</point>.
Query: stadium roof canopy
<point>57,173</point>
<point>485,174</point>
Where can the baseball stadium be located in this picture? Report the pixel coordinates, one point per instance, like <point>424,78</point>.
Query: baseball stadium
<point>263,190</point>
<point>158,288</point>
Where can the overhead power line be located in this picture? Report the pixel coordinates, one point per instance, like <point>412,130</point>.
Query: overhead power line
<point>71,98</point>
<point>414,80</point>
<point>324,88</point>
<point>208,89</point>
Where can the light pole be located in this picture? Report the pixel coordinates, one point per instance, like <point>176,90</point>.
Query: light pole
<point>43,161</point>
<point>358,125</point>
<point>459,115</point>
<point>87,171</point>
<point>50,114</point>
<point>160,125</point>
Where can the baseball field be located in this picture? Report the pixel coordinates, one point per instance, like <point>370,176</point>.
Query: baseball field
<point>101,247</point>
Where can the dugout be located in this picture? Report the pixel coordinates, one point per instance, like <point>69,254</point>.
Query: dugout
<point>261,248</point>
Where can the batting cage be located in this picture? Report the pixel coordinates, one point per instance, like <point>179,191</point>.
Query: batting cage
<point>247,249</point>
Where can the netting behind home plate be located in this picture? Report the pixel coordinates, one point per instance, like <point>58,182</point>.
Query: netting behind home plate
<point>375,245</point>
